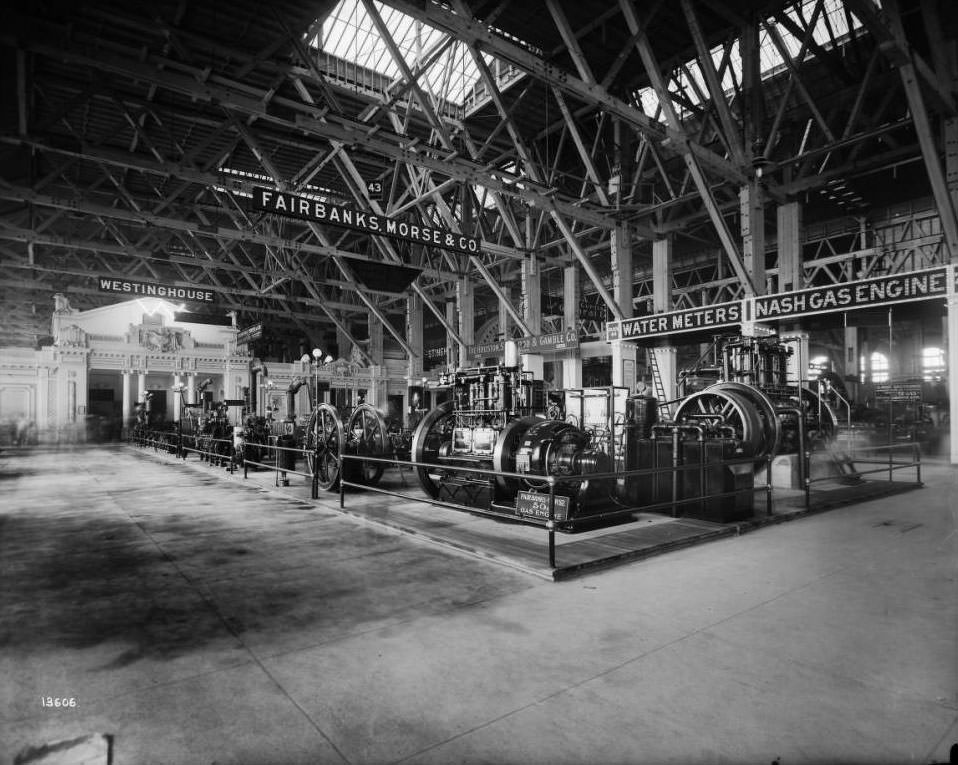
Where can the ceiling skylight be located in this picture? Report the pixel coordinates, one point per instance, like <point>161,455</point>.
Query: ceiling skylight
<point>831,26</point>
<point>349,34</point>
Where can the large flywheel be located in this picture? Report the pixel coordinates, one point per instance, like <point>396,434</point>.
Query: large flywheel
<point>324,444</point>
<point>432,437</point>
<point>748,411</point>
<point>366,436</point>
<point>821,423</point>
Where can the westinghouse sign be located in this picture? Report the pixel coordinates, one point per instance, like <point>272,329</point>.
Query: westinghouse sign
<point>283,203</point>
<point>867,293</point>
<point>146,289</point>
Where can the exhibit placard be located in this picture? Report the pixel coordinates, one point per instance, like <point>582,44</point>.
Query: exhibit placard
<point>899,392</point>
<point>535,504</point>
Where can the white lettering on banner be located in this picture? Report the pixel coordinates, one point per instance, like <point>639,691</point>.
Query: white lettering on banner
<point>289,204</point>
<point>897,288</point>
<point>145,289</point>
<point>719,315</point>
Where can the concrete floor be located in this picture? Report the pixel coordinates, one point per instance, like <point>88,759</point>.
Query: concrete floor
<point>203,620</point>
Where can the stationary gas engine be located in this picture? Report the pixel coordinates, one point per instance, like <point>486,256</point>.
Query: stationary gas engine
<point>498,419</point>
<point>754,398</point>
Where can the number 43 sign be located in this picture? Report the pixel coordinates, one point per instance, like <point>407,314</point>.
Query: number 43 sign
<point>375,190</point>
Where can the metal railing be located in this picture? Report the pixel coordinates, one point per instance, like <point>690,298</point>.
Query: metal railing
<point>551,523</point>
<point>891,458</point>
<point>222,452</point>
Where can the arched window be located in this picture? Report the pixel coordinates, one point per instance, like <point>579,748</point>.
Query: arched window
<point>817,365</point>
<point>932,364</point>
<point>879,367</point>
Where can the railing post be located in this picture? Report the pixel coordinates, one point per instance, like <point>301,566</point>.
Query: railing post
<point>675,471</point>
<point>551,524</point>
<point>768,486</point>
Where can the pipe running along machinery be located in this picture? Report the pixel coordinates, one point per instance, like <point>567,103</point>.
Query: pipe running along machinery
<point>497,419</point>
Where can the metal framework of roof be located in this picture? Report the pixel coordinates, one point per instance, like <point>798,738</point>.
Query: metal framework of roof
<point>132,136</point>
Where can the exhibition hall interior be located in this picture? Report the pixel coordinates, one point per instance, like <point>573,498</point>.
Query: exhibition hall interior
<point>481,381</point>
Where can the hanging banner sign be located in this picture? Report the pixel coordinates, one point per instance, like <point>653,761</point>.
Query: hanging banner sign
<point>433,341</point>
<point>882,290</point>
<point>867,293</point>
<point>689,320</point>
<point>554,341</point>
<point>550,343</point>
<point>146,289</point>
<point>283,203</point>
<point>254,332</point>
<point>589,311</point>
<point>482,350</point>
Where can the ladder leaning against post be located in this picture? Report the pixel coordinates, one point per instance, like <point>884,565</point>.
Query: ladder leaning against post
<point>658,385</point>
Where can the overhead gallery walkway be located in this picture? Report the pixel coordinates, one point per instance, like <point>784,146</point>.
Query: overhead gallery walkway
<point>197,619</point>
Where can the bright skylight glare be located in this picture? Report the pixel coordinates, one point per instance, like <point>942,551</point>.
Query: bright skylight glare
<point>830,23</point>
<point>451,74</point>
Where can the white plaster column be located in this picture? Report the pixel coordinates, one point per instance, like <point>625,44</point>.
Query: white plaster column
<point>43,398</point>
<point>191,388</point>
<point>532,313</point>
<point>571,294</point>
<point>140,386</point>
<point>176,397</point>
<point>127,404</point>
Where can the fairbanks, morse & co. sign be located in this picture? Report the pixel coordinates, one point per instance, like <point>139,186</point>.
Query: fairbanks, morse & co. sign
<point>284,203</point>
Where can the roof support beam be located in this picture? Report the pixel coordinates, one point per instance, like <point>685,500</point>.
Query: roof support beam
<point>899,52</point>
<point>926,139</point>
<point>698,177</point>
<point>707,66</point>
<point>587,266</point>
<point>571,43</point>
<point>320,122</point>
<point>472,31</point>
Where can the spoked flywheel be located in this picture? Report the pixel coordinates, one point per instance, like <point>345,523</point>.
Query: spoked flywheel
<point>324,444</point>
<point>365,436</point>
